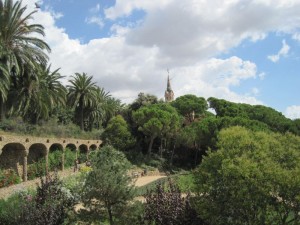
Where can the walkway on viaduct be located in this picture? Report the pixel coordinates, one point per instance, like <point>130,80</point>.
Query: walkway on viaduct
<point>16,152</point>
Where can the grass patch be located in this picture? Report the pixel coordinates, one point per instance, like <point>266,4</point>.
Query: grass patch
<point>150,186</point>
<point>185,182</point>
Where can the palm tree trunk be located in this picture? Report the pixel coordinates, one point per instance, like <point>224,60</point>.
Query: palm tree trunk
<point>81,115</point>
<point>2,113</point>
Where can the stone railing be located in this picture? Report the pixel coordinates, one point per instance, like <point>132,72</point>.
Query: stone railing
<point>17,151</point>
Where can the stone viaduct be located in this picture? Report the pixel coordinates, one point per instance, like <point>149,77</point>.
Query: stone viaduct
<point>16,152</point>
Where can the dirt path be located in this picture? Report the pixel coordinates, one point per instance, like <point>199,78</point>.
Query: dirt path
<point>7,191</point>
<point>141,181</point>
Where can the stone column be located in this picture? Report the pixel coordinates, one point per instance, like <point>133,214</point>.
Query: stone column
<point>63,160</point>
<point>25,167</point>
<point>47,161</point>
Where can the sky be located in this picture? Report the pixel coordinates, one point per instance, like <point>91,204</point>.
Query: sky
<point>245,51</point>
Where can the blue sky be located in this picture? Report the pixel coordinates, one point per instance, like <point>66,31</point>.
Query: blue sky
<point>242,51</point>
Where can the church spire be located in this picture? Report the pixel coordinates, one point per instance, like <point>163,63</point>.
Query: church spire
<point>169,94</point>
<point>169,84</point>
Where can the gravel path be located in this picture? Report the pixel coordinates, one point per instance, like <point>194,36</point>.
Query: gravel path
<point>7,191</point>
<point>141,181</point>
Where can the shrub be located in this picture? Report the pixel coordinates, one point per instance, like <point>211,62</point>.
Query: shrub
<point>165,205</point>
<point>36,169</point>
<point>49,206</point>
<point>85,169</point>
<point>10,210</point>
<point>70,157</point>
<point>55,160</point>
<point>8,178</point>
<point>82,157</point>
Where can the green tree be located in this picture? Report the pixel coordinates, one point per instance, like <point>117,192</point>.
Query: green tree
<point>156,121</point>
<point>252,179</point>
<point>108,186</point>
<point>200,136</point>
<point>117,134</point>
<point>96,113</point>
<point>37,93</point>
<point>273,119</point>
<point>190,106</point>
<point>143,100</point>
<point>81,94</point>
<point>19,44</point>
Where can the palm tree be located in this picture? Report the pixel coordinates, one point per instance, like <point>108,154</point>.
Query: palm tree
<point>4,85</point>
<point>19,41</point>
<point>112,107</point>
<point>37,93</point>
<point>97,112</point>
<point>81,94</point>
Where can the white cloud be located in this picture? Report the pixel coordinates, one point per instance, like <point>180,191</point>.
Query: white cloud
<point>185,36</point>
<point>262,75</point>
<point>293,112</point>
<point>282,52</point>
<point>95,9</point>
<point>125,7</point>
<point>255,91</point>
<point>95,20</point>
<point>296,36</point>
<point>192,30</point>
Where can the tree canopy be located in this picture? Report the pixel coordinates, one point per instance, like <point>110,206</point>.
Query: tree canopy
<point>251,179</point>
<point>108,185</point>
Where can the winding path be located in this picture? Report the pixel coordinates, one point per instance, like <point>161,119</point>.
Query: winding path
<point>7,191</point>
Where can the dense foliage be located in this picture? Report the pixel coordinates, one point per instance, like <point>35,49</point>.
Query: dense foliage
<point>30,89</point>
<point>165,205</point>
<point>246,157</point>
<point>108,186</point>
<point>253,178</point>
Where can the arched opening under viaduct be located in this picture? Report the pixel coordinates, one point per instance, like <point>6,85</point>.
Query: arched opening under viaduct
<point>12,157</point>
<point>56,157</point>
<point>83,153</point>
<point>37,152</point>
<point>36,160</point>
<point>93,147</point>
<point>72,147</point>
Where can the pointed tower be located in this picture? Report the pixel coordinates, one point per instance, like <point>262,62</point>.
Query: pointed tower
<point>169,94</point>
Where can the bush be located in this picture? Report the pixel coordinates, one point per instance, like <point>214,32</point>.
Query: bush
<point>70,157</point>
<point>82,157</point>
<point>10,210</point>
<point>47,128</point>
<point>85,169</point>
<point>49,206</point>
<point>36,169</point>
<point>165,205</point>
<point>55,160</point>
<point>8,178</point>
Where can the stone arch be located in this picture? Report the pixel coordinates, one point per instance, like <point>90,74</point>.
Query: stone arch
<point>12,157</point>
<point>93,147</point>
<point>55,147</point>
<point>71,146</point>
<point>36,152</point>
